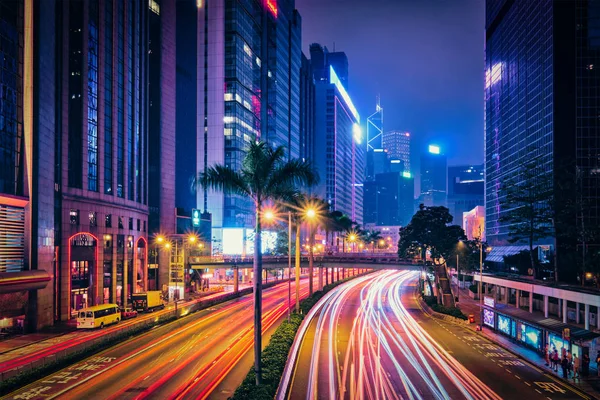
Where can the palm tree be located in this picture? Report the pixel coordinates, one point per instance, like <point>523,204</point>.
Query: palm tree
<point>373,237</point>
<point>265,176</point>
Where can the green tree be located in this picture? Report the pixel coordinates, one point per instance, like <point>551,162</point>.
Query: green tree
<point>430,229</point>
<point>527,206</point>
<point>372,237</point>
<point>265,176</point>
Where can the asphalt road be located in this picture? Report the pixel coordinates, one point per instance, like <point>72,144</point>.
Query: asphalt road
<point>184,359</point>
<point>371,340</point>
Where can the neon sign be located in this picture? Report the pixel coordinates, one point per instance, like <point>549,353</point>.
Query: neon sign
<point>272,6</point>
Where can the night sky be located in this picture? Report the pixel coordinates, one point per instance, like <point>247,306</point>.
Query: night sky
<point>424,57</point>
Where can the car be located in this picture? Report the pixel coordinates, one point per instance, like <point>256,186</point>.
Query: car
<point>128,313</point>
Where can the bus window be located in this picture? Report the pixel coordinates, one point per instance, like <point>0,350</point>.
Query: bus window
<point>89,314</point>
<point>81,315</point>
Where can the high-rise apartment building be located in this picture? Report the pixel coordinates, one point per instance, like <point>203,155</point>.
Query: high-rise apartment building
<point>397,146</point>
<point>465,189</point>
<point>433,177</point>
<point>547,113</point>
<point>248,85</point>
<point>339,147</point>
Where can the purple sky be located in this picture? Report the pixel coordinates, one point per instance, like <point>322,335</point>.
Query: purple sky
<point>424,57</point>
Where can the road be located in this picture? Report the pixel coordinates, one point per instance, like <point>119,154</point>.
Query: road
<point>187,358</point>
<point>370,339</point>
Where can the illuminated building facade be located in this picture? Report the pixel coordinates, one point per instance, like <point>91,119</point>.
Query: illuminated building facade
<point>473,223</point>
<point>340,149</point>
<point>548,112</point>
<point>389,199</point>
<point>397,146</point>
<point>248,85</point>
<point>433,177</point>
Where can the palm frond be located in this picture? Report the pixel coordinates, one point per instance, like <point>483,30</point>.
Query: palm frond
<point>220,177</point>
<point>293,173</point>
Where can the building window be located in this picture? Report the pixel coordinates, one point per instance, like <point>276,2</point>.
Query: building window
<point>75,106</point>
<point>74,217</point>
<point>80,271</point>
<point>92,217</point>
<point>138,225</point>
<point>92,89</point>
<point>108,220</point>
<point>144,226</point>
<point>108,101</point>
<point>130,223</point>
<point>120,222</point>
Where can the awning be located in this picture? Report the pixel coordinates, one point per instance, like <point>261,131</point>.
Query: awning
<point>498,253</point>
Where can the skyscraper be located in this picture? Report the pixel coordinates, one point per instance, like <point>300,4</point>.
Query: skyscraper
<point>339,150</point>
<point>397,145</point>
<point>546,112</point>
<point>433,177</point>
<point>249,60</point>
<point>102,89</point>
<point>465,189</point>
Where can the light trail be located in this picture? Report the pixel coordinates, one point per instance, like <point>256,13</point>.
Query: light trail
<point>389,355</point>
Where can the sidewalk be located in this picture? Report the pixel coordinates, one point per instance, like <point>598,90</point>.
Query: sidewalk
<point>590,384</point>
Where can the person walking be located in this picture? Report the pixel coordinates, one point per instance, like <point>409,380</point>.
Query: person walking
<point>556,360</point>
<point>570,360</point>
<point>547,355</point>
<point>575,367</point>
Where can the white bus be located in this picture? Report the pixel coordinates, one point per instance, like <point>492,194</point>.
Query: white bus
<point>98,316</point>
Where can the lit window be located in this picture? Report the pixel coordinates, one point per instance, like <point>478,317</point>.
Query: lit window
<point>228,131</point>
<point>74,217</point>
<point>228,96</point>
<point>227,120</point>
<point>92,218</point>
<point>258,61</point>
<point>247,50</point>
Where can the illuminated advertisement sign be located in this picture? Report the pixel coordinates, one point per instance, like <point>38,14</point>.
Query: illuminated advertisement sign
<point>267,244</point>
<point>195,217</point>
<point>488,318</point>
<point>557,342</point>
<point>530,336</point>
<point>233,241</point>
<point>489,301</point>
<point>504,324</point>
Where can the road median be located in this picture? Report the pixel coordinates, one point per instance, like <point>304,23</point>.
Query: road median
<point>281,347</point>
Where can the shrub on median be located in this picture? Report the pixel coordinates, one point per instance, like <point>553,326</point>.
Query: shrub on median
<point>455,312</point>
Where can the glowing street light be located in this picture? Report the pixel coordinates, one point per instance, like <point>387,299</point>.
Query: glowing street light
<point>311,213</point>
<point>269,215</point>
<point>191,238</point>
<point>160,239</point>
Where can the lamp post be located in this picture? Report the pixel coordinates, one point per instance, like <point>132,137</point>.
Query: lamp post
<point>458,272</point>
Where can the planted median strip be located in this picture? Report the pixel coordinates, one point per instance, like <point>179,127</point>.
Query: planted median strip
<point>275,356</point>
